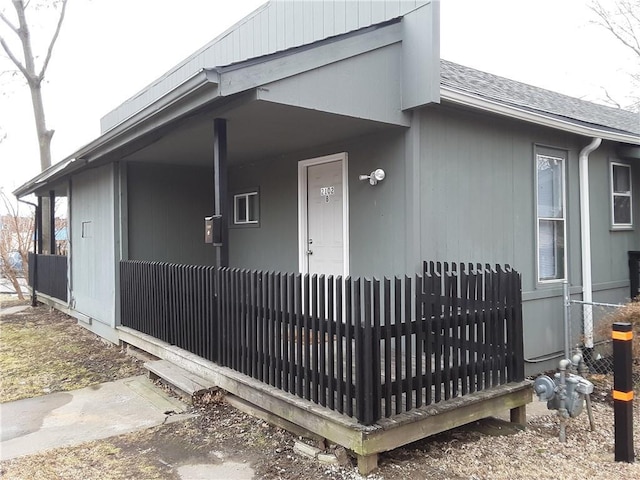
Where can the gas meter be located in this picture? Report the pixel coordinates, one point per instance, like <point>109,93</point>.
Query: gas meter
<point>576,389</point>
<point>566,392</point>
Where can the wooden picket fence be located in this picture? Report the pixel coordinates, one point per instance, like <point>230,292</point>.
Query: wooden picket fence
<point>366,348</point>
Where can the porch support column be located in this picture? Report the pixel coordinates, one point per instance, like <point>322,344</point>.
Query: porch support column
<point>52,222</point>
<point>220,188</point>
<point>39,226</point>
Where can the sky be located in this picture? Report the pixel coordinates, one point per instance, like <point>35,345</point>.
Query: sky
<point>109,50</point>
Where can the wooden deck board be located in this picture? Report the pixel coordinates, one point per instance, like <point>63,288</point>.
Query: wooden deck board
<point>365,441</point>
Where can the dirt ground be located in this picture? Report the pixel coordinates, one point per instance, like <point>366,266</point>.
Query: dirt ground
<point>44,351</point>
<point>490,449</point>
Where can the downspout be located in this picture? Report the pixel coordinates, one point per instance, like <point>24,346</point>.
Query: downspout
<point>585,236</point>
<point>34,298</point>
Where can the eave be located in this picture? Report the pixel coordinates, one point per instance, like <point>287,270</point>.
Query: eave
<point>467,99</point>
<point>191,94</point>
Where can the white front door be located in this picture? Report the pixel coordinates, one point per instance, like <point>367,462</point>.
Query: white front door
<point>323,216</point>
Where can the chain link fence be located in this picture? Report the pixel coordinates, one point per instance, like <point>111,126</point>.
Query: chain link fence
<point>588,328</point>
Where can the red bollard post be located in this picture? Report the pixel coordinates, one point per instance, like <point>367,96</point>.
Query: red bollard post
<point>622,335</point>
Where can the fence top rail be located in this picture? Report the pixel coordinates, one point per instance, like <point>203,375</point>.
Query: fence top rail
<point>438,268</point>
<point>434,270</point>
<point>597,304</point>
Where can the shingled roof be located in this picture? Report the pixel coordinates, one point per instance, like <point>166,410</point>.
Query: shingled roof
<point>537,100</point>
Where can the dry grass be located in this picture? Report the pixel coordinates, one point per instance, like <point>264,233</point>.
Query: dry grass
<point>484,450</point>
<point>7,300</point>
<point>44,351</point>
<point>629,313</point>
<point>93,460</point>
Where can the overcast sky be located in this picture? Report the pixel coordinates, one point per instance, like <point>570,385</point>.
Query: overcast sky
<point>110,49</point>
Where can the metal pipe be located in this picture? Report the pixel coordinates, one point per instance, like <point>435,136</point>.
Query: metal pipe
<point>585,235</point>
<point>582,371</point>
<point>562,394</point>
<point>52,222</point>
<point>34,299</point>
<point>566,295</point>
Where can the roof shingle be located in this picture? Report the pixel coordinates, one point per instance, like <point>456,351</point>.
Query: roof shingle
<point>535,99</point>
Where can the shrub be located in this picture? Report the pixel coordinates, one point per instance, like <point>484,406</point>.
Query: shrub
<point>629,313</point>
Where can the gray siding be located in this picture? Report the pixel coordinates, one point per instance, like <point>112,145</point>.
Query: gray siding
<point>276,26</point>
<point>376,213</point>
<point>92,244</point>
<point>478,204</point>
<point>475,201</point>
<point>356,86</point>
<point>477,196</point>
<point>166,206</point>
<point>273,244</point>
<point>609,266</point>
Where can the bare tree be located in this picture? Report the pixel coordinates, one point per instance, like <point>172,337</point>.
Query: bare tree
<point>622,19</point>
<point>16,239</point>
<point>17,32</point>
<point>34,75</point>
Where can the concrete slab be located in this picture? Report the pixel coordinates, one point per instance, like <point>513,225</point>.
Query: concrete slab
<point>207,471</point>
<point>68,418</point>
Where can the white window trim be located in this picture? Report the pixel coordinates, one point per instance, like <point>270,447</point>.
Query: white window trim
<point>614,225</point>
<point>563,219</point>
<point>246,195</point>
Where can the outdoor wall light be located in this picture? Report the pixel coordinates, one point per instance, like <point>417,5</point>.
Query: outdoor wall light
<point>374,177</point>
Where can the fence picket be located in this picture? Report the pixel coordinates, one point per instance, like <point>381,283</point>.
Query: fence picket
<point>352,345</point>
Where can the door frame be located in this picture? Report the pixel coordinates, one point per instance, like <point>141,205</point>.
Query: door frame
<point>303,234</point>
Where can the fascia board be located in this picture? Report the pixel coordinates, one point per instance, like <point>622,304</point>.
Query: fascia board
<point>60,168</point>
<point>467,99</point>
<point>253,74</point>
<point>198,80</point>
<point>188,95</point>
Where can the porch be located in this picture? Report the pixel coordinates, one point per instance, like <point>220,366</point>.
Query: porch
<point>48,276</point>
<point>370,365</point>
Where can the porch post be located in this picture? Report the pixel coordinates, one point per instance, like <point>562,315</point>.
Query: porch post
<point>37,243</point>
<point>220,188</point>
<point>52,222</point>
<point>39,226</point>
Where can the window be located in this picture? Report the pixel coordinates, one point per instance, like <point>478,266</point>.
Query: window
<point>245,208</point>
<point>621,195</point>
<point>551,218</point>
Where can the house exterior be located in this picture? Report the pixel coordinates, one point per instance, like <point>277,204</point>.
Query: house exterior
<point>323,140</point>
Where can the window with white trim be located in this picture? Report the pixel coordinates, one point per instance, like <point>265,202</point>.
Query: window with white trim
<point>245,208</point>
<point>551,222</point>
<point>621,199</point>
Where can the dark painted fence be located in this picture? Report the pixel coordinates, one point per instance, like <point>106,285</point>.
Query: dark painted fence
<point>50,274</point>
<point>634,274</point>
<point>365,348</point>
<point>175,303</point>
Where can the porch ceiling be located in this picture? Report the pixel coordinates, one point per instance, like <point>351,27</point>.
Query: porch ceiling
<point>255,130</point>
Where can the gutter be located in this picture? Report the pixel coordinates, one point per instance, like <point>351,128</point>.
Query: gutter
<point>585,237</point>
<point>465,98</point>
<point>34,283</point>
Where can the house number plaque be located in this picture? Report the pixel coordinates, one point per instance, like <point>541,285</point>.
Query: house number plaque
<point>326,192</point>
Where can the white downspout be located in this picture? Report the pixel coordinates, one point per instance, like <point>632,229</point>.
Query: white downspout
<point>585,235</point>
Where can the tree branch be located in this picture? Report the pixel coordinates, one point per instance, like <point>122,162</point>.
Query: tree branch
<point>12,57</point>
<point>53,40</point>
<point>11,25</point>
<point>626,10</point>
<point>610,99</point>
